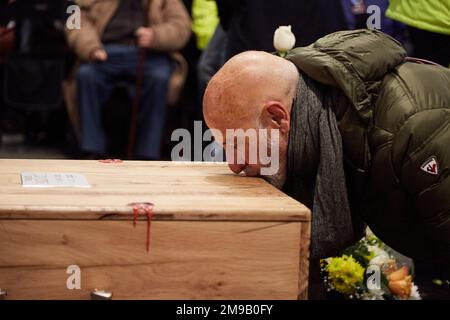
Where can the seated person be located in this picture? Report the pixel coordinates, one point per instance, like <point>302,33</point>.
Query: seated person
<point>108,45</point>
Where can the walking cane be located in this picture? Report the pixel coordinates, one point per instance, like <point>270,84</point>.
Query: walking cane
<point>137,96</point>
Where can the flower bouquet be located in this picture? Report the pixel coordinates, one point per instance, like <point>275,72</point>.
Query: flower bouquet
<point>368,271</point>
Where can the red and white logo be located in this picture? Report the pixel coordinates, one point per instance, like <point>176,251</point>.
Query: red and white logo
<point>430,166</point>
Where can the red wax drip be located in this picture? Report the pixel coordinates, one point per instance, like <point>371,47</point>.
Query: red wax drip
<point>135,214</point>
<point>148,210</point>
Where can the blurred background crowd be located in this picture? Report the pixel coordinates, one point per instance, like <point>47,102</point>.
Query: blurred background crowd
<point>136,70</point>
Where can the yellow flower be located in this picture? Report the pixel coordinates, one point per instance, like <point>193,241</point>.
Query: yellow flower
<point>345,274</point>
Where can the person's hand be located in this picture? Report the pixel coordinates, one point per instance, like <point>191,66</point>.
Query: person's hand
<point>144,37</point>
<point>98,55</point>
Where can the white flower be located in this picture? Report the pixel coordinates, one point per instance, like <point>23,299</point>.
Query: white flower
<point>283,39</point>
<point>380,256</point>
<point>415,295</point>
<point>379,260</point>
<point>377,250</point>
<point>370,296</point>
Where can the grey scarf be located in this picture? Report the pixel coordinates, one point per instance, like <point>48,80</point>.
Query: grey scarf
<point>315,169</point>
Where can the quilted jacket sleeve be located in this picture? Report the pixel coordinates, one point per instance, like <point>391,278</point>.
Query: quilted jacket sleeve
<point>421,150</point>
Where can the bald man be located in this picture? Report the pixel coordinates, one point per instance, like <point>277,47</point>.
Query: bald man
<point>363,135</point>
<point>244,88</point>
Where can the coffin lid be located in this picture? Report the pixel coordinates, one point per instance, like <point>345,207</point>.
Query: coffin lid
<point>178,190</point>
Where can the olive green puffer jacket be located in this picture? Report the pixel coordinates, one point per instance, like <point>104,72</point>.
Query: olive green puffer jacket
<point>394,119</point>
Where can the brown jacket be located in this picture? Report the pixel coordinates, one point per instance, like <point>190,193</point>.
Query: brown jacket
<point>168,19</point>
<point>171,25</point>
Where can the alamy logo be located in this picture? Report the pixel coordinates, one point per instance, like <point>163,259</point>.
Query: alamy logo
<point>374,20</point>
<point>74,20</point>
<point>373,281</point>
<point>251,146</point>
<point>430,166</point>
<point>74,280</point>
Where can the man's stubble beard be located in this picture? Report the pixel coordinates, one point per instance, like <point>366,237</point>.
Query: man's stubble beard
<point>279,179</point>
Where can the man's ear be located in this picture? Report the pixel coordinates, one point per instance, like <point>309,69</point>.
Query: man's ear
<point>274,115</point>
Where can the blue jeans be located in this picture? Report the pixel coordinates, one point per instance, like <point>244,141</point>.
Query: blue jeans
<point>95,83</point>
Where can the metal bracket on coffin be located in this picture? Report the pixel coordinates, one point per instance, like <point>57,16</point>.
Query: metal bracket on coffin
<point>101,295</point>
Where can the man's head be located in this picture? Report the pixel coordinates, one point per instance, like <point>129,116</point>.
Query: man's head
<point>253,91</point>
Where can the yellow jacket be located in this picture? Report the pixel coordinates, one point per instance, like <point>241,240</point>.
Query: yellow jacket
<point>429,15</point>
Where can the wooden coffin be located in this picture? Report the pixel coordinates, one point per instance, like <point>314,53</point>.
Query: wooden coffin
<point>213,234</point>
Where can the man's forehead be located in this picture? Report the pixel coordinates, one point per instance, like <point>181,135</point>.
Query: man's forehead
<point>233,134</point>
<point>233,123</point>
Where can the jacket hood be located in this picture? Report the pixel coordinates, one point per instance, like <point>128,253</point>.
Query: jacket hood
<point>354,61</point>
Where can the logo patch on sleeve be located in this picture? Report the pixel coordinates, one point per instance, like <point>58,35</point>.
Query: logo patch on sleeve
<point>430,166</point>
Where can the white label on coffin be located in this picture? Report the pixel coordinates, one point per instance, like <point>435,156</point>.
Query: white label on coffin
<point>53,180</point>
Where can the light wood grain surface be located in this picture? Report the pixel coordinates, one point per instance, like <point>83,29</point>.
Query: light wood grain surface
<point>187,260</point>
<point>180,191</point>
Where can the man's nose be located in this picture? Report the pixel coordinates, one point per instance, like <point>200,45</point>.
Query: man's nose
<point>236,168</point>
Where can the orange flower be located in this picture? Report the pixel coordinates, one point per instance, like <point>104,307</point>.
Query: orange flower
<point>400,282</point>
<point>399,274</point>
<point>401,288</point>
